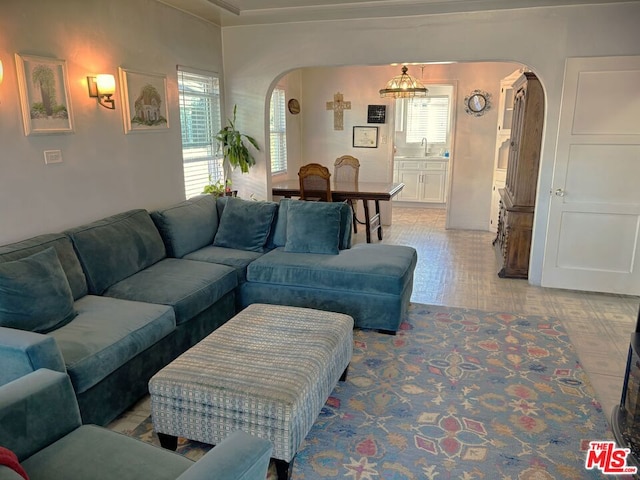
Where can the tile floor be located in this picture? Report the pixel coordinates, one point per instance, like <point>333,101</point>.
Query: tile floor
<point>458,268</point>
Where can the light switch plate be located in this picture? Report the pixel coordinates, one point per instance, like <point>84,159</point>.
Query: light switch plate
<point>52,156</point>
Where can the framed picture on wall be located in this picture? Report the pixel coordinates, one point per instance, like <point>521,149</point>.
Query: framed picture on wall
<point>376,113</point>
<point>144,101</point>
<point>44,95</point>
<point>365,137</point>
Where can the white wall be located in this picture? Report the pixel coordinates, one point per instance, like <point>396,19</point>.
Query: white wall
<point>104,170</point>
<point>321,143</point>
<point>472,159</point>
<point>541,38</point>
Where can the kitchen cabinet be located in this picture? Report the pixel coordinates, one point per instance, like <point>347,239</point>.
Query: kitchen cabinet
<point>425,179</point>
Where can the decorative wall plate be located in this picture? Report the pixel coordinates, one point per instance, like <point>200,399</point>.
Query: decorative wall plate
<point>294,106</point>
<point>477,103</point>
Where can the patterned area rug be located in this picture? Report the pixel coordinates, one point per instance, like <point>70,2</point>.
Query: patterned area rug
<point>457,394</point>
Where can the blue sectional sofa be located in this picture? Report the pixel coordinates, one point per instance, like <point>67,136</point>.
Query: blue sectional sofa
<point>60,447</point>
<point>113,301</point>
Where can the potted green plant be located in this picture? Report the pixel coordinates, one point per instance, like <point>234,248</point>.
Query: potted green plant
<point>219,188</point>
<point>214,188</point>
<point>234,151</point>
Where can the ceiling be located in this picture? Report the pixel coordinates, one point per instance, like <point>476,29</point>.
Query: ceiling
<point>250,12</point>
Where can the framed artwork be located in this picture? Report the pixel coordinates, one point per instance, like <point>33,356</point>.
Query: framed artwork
<point>365,137</point>
<point>44,95</point>
<point>144,101</point>
<point>376,113</point>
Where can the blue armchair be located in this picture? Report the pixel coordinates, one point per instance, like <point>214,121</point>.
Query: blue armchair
<point>40,422</point>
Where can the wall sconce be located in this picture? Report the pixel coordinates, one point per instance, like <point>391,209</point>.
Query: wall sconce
<point>1,72</point>
<point>102,87</point>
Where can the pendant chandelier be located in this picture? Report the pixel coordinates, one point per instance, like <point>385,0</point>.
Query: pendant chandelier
<point>404,86</point>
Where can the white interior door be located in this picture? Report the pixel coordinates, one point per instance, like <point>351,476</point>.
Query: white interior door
<point>592,237</point>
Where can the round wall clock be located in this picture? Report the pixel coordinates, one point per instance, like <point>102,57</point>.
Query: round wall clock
<point>477,103</point>
<point>294,106</point>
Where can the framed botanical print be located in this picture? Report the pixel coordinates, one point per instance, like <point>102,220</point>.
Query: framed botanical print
<point>144,101</point>
<point>44,95</point>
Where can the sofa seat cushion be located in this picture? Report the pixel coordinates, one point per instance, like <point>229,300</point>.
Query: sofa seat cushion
<point>377,269</point>
<point>101,454</point>
<point>106,334</point>
<point>238,259</point>
<point>188,286</point>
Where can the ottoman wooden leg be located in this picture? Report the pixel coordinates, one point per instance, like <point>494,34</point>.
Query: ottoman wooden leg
<point>284,469</point>
<point>343,378</point>
<point>169,442</point>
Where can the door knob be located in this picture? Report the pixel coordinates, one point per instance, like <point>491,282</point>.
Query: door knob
<point>559,192</point>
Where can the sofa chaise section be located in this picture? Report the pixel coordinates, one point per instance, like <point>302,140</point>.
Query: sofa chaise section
<point>371,283</point>
<point>310,268</point>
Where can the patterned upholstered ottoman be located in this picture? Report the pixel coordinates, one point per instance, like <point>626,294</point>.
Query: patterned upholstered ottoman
<point>268,371</point>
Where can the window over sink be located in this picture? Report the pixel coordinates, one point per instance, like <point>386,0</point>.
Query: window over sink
<point>424,123</point>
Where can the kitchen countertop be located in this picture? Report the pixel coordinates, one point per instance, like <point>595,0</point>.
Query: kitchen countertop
<point>416,157</point>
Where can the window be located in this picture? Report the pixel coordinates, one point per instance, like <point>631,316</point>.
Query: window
<point>428,118</point>
<point>199,98</point>
<point>278,129</point>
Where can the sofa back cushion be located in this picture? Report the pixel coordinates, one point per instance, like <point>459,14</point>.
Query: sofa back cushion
<point>35,294</point>
<point>66,255</point>
<point>313,227</point>
<point>187,226</point>
<point>116,247</point>
<point>245,224</point>
<point>279,236</point>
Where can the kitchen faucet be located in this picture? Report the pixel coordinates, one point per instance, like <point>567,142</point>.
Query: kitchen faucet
<point>426,145</point>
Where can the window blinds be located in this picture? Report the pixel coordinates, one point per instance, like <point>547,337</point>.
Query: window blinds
<point>278,128</point>
<point>199,101</point>
<point>428,118</point>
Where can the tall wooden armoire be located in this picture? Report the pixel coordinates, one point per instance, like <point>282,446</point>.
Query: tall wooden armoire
<point>517,198</point>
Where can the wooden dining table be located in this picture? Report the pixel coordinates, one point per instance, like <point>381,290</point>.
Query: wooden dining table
<point>341,191</point>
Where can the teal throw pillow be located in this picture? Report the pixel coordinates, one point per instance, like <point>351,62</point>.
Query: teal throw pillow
<point>35,294</point>
<point>245,224</point>
<point>313,227</point>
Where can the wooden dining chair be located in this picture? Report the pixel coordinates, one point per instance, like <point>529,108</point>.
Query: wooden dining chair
<point>315,183</point>
<point>345,170</point>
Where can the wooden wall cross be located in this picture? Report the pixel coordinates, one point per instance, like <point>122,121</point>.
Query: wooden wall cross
<point>338,106</point>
